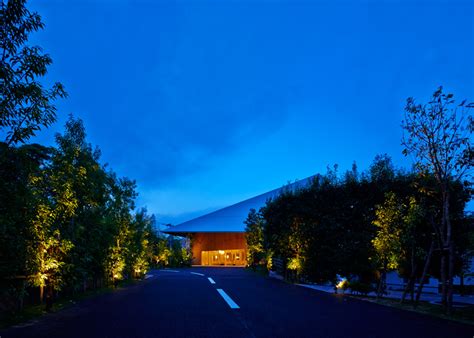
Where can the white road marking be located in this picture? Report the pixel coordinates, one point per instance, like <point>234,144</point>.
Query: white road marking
<point>197,273</point>
<point>211,280</point>
<point>166,270</point>
<point>230,302</point>
<point>148,276</point>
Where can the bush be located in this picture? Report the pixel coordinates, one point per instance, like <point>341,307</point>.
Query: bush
<point>360,288</point>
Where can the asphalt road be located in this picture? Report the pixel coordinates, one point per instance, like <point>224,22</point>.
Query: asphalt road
<point>185,303</point>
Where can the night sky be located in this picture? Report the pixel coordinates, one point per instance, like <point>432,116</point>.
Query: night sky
<point>208,103</point>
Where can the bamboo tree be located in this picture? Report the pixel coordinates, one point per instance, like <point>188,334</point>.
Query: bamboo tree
<point>47,248</point>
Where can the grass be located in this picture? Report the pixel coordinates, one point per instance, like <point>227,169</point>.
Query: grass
<point>31,312</point>
<point>464,315</point>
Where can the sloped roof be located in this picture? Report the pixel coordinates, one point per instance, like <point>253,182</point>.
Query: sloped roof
<point>231,218</point>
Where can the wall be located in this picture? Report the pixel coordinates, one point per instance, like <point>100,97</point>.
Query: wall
<point>216,241</point>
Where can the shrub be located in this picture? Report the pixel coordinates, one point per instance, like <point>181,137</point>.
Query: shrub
<point>360,288</point>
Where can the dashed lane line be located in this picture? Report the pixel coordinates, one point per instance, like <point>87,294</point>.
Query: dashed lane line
<point>197,273</point>
<point>166,270</point>
<point>211,280</point>
<point>230,302</point>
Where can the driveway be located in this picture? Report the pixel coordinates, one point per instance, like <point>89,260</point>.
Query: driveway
<point>231,302</point>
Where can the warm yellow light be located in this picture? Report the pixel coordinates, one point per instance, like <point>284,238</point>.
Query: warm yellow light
<point>340,284</point>
<point>221,252</point>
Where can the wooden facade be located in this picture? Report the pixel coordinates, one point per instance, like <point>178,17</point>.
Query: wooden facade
<point>225,248</point>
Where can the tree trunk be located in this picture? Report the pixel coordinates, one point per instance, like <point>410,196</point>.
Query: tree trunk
<point>444,288</point>
<point>447,257</point>
<point>410,285</point>
<point>425,272</point>
<point>406,289</point>
<point>49,298</point>
<point>413,274</point>
<point>450,258</point>
<point>21,298</point>
<point>381,286</point>
<point>41,293</point>
<point>449,304</point>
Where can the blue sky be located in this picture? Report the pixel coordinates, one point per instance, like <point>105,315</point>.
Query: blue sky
<point>206,103</point>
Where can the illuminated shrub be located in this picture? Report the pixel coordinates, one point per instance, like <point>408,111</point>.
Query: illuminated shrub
<point>294,264</point>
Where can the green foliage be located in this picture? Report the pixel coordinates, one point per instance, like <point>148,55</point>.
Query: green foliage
<point>390,223</point>
<point>269,259</point>
<point>294,264</point>
<point>17,204</point>
<point>67,224</point>
<point>25,105</point>
<point>115,263</point>
<point>178,255</point>
<point>254,237</point>
<point>356,226</point>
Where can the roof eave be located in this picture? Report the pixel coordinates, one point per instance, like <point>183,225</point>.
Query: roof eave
<point>185,233</point>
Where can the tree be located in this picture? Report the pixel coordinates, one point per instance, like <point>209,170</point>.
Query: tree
<point>415,239</point>
<point>402,238</point>
<point>139,243</point>
<point>17,208</point>
<point>254,237</point>
<point>25,105</point>
<point>387,244</point>
<point>437,135</point>
<point>47,249</point>
<point>123,194</point>
<point>76,165</point>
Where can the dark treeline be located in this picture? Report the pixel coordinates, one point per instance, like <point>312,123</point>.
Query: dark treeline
<point>67,222</point>
<point>363,226</point>
<point>360,226</point>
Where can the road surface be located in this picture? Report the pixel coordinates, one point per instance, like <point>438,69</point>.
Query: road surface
<point>231,302</point>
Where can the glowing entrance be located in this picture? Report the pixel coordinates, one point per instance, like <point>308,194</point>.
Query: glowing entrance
<point>223,257</point>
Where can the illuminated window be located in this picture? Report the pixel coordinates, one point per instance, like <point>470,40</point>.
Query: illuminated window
<point>223,257</point>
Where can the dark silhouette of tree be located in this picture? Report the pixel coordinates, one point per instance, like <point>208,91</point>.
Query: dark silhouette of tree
<point>362,226</point>
<point>67,223</point>
<point>25,105</point>
<point>438,136</point>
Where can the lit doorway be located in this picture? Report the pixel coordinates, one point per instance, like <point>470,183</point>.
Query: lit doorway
<point>223,257</point>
